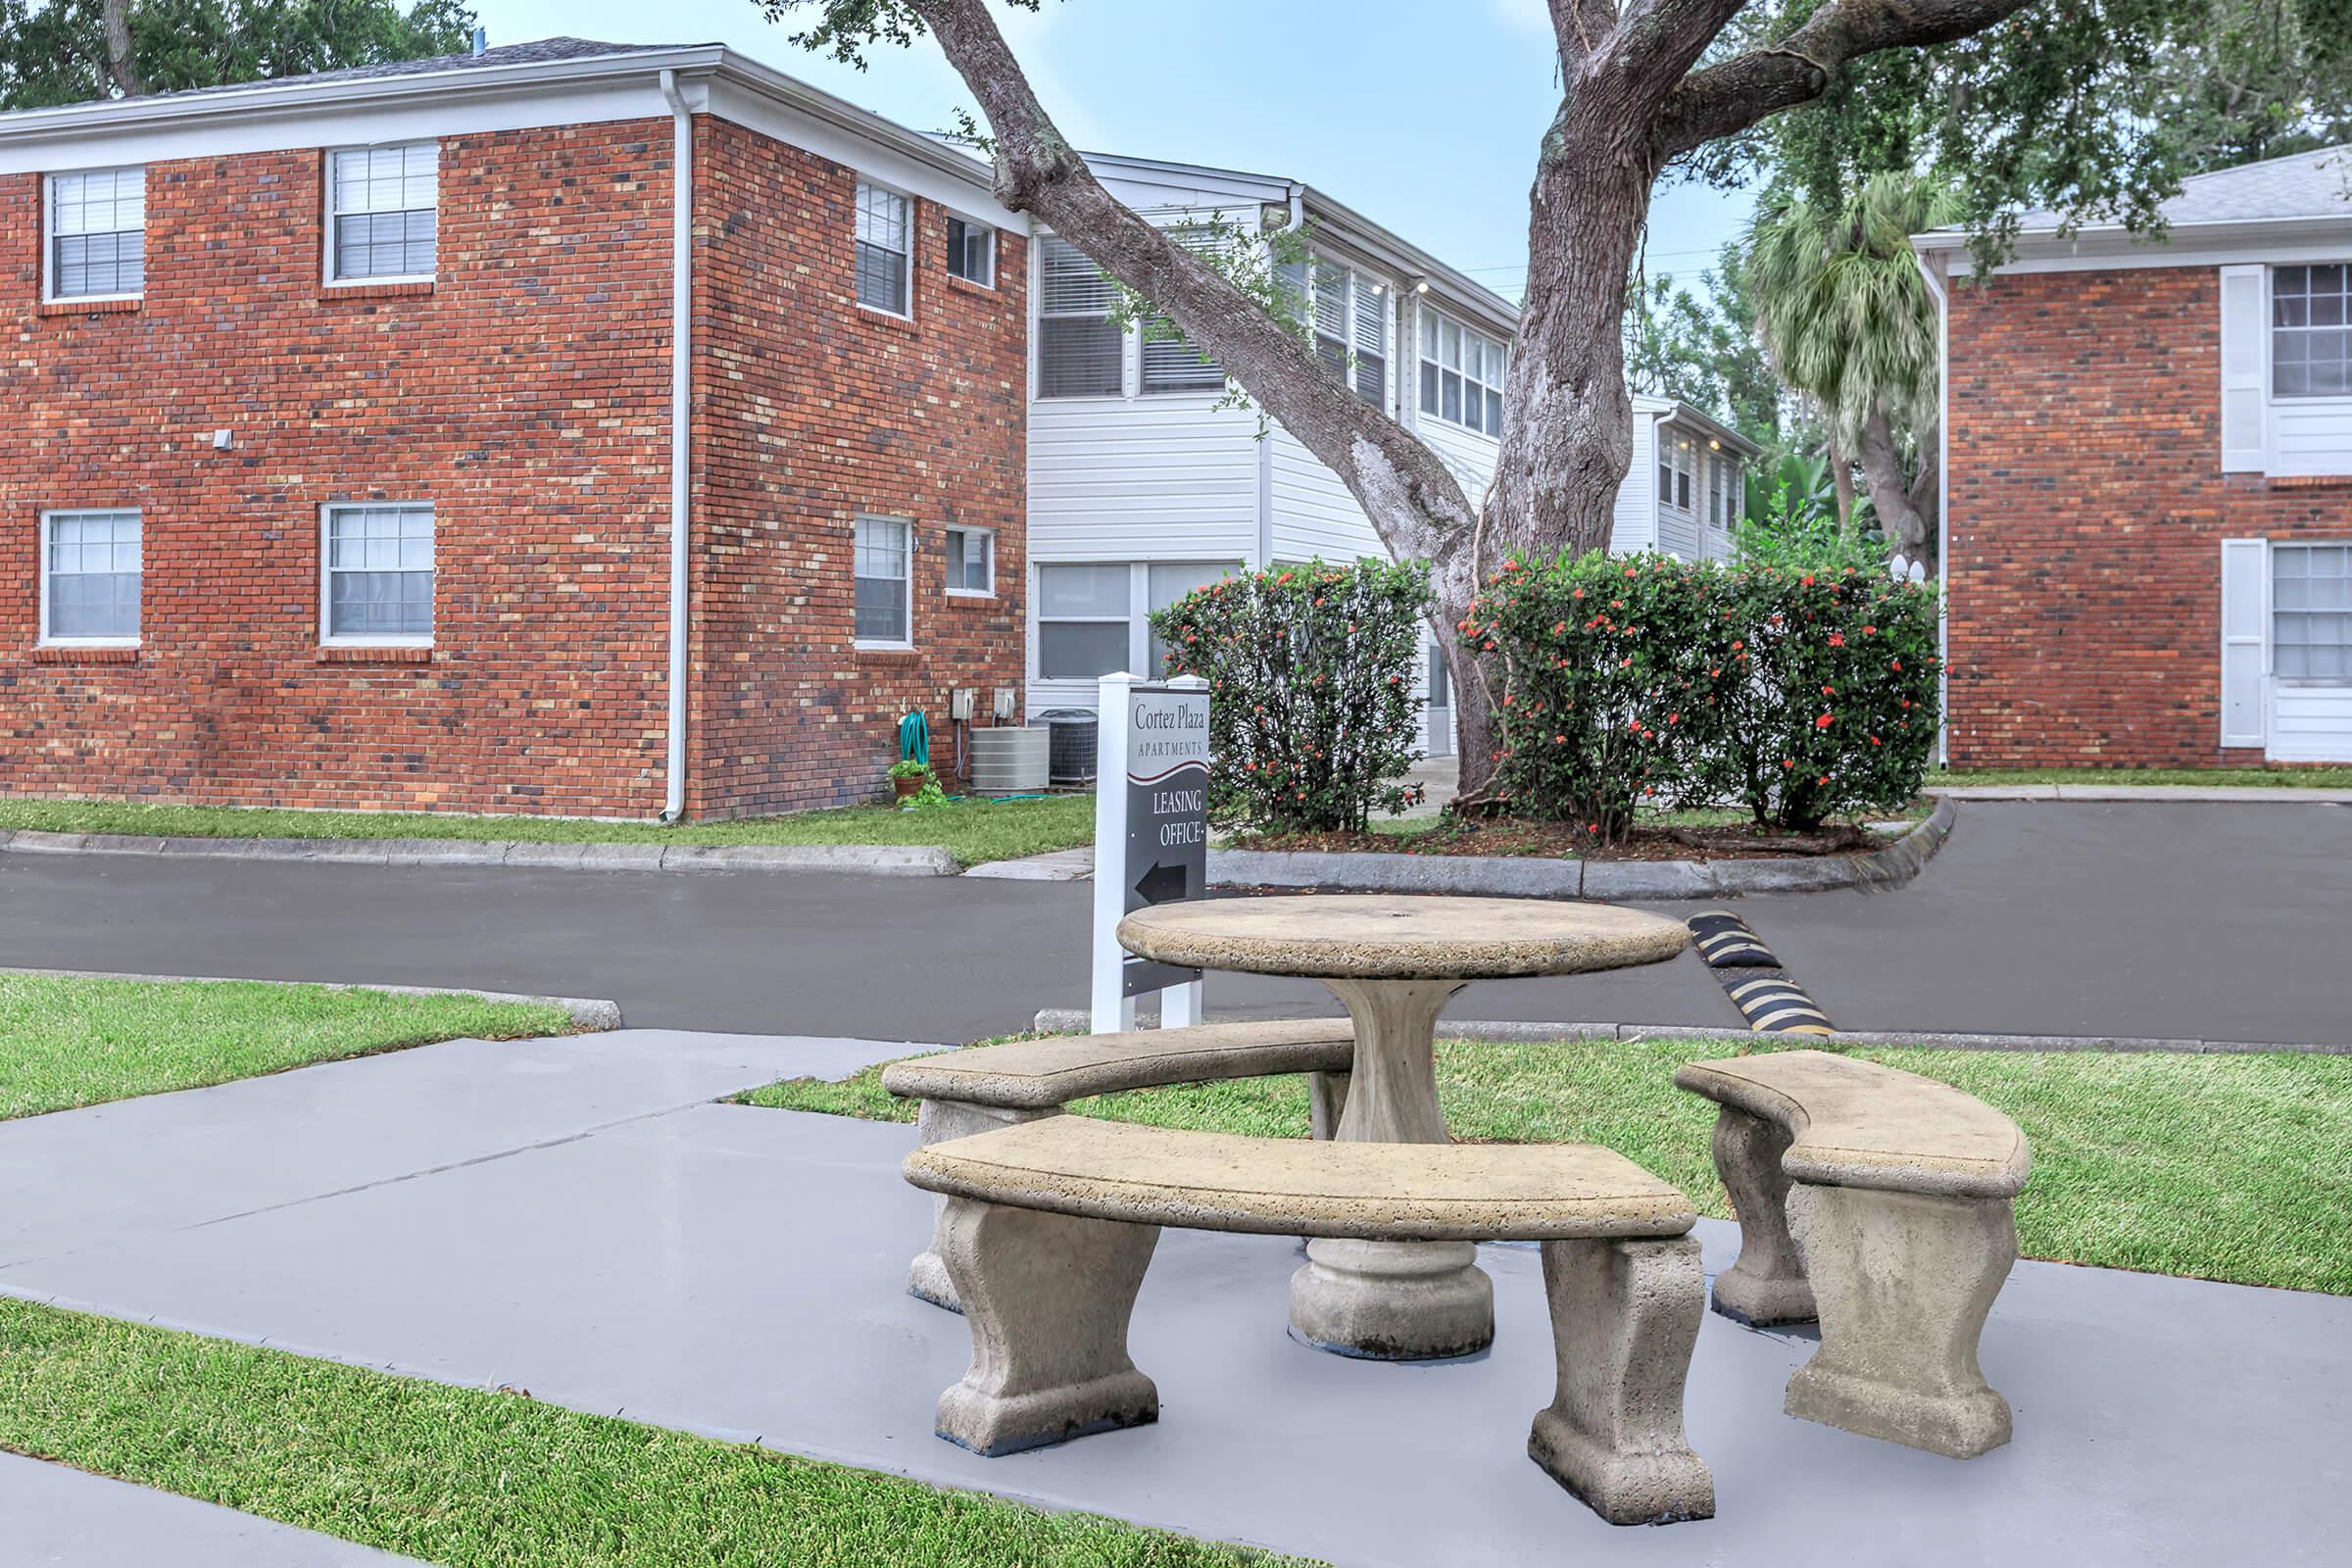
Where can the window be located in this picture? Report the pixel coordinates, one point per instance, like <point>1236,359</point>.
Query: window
<point>1351,317</point>
<point>379,574</point>
<point>1171,362</point>
<point>90,576</point>
<point>971,562</point>
<point>1678,461</point>
<point>383,208</point>
<point>972,252</point>
<point>98,234</point>
<point>883,228</point>
<point>2311,331</point>
<point>884,548</point>
<point>1082,621</point>
<point>1092,620</point>
<point>1441,678</point>
<point>1461,374</point>
<point>2311,611</point>
<point>1079,352</point>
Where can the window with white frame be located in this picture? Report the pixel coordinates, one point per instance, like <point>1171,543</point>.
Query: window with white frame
<point>1723,491</point>
<point>1094,620</point>
<point>1171,362</point>
<point>1080,353</point>
<point>883,616</point>
<point>1350,313</point>
<point>379,584</point>
<point>98,234</point>
<point>90,577</point>
<point>885,230</point>
<point>971,563</point>
<point>971,251</point>
<point>1461,373</point>
<point>2311,331</point>
<point>383,212</point>
<point>1677,461</point>
<point>2311,611</point>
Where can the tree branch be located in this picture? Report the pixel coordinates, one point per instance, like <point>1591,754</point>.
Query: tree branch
<point>1726,99</point>
<point>1409,495</point>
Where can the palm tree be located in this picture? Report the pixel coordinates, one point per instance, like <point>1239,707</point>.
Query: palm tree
<point>1849,321</point>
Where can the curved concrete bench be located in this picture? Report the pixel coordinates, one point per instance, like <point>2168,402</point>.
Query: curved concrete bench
<point>1049,1226</point>
<point>975,1091</point>
<point>1879,1202</point>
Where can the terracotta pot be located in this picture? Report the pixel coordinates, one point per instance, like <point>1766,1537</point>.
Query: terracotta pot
<point>906,787</point>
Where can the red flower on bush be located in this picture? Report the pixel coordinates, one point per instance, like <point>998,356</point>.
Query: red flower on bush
<point>1836,639</point>
<point>1825,721</point>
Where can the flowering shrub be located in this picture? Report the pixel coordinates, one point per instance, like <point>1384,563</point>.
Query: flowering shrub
<point>1610,693</point>
<point>1312,715</point>
<point>1631,681</point>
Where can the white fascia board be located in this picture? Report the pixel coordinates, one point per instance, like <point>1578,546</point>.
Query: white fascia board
<point>2111,248</point>
<point>1162,183</point>
<point>1708,424</point>
<point>475,99</point>
<point>1392,253</point>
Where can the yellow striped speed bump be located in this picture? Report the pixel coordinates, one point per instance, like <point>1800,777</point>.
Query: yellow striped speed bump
<point>1726,943</point>
<point>1769,1002</point>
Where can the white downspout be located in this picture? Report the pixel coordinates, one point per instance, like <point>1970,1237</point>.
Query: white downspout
<point>1943,507</point>
<point>681,382</point>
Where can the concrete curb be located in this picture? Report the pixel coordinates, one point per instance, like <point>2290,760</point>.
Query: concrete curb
<point>2264,794</point>
<point>592,1014</point>
<point>862,859</point>
<point>1511,877</point>
<point>1074,1020</point>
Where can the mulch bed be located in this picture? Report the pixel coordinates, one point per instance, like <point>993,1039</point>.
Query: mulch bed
<point>1740,841</point>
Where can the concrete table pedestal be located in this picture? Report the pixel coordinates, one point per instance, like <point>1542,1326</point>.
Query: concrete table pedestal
<point>1394,962</point>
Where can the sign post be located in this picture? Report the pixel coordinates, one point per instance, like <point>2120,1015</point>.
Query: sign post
<point>1150,836</point>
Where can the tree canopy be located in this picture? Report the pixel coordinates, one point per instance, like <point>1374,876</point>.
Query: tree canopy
<point>54,51</point>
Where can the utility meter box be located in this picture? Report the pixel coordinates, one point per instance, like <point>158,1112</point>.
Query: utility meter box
<point>962,702</point>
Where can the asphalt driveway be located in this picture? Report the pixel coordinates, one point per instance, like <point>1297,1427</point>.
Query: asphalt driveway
<point>2187,920</point>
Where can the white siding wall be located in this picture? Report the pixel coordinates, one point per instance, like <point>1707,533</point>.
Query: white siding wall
<point>1679,528</point>
<point>2311,436</point>
<point>2311,723</point>
<point>1313,512</point>
<point>1636,526</point>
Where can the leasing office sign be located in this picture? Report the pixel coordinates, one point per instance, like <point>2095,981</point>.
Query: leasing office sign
<point>1150,826</point>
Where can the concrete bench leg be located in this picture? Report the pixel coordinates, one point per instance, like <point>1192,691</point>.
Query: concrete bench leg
<point>1048,1297</point>
<point>1768,1283</point>
<point>1624,1318</point>
<point>939,1120</point>
<point>1904,1282</point>
<point>1327,1101</point>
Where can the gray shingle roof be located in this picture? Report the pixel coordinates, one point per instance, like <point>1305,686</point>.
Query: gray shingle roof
<point>539,51</point>
<point>2313,185</point>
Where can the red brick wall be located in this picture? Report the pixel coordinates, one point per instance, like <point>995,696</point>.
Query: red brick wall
<point>2087,514</point>
<point>525,395</point>
<point>808,411</point>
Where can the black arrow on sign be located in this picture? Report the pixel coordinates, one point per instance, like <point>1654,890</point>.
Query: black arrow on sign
<point>1160,883</point>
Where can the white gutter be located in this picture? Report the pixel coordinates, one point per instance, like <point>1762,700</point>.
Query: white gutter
<point>1943,506</point>
<point>681,385</point>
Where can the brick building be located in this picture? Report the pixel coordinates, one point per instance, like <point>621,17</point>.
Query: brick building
<point>373,430</point>
<point>2149,471</point>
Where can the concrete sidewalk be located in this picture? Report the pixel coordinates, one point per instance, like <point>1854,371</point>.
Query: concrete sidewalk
<point>740,1272</point>
<point>63,1518</point>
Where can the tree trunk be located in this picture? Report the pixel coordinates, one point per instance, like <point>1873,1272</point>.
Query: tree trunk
<point>1841,479</point>
<point>115,17</point>
<point>1899,517</point>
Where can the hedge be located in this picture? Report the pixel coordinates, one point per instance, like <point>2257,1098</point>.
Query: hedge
<point>1634,680</point>
<point>1314,714</point>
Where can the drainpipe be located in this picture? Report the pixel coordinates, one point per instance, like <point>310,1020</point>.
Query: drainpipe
<point>1943,506</point>
<point>681,366</point>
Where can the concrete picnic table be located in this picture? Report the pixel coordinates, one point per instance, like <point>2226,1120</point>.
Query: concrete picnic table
<point>1394,961</point>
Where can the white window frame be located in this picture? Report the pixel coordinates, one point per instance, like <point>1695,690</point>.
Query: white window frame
<point>1040,246</point>
<point>2272,611</point>
<point>50,236</point>
<point>329,217</point>
<point>2269,338</point>
<point>49,639</point>
<point>1677,458</point>
<point>905,526</point>
<point>328,637</point>
<point>1355,284</point>
<point>913,246</point>
<point>1488,341</point>
<point>970,224</point>
<point>1137,620</point>
<point>987,538</point>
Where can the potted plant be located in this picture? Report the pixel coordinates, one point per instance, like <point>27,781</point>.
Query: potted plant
<point>907,777</point>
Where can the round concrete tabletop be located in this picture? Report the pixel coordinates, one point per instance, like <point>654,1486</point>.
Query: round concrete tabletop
<point>1385,936</point>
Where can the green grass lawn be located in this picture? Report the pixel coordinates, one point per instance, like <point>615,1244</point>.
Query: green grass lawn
<point>2307,778</point>
<point>481,1480</point>
<point>981,830</point>
<point>2226,1167</point>
<point>69,1041</point>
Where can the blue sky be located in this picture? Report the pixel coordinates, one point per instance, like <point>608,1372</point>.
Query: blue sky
<point>1423,117</point>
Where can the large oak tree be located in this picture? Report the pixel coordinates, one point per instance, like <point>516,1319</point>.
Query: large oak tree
<point>1646,85</point>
